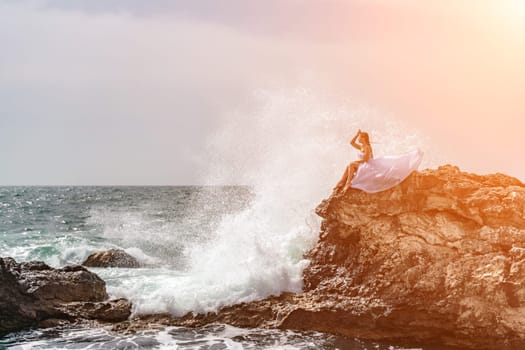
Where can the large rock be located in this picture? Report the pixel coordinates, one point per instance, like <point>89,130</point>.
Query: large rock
<point>33,292</point>
<point>439,259</point>
<point>111,258</point>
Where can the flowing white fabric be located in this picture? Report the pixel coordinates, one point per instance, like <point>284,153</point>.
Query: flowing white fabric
<point>380,174</point>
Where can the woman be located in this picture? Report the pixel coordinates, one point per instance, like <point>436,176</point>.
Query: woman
<point>361,142</point>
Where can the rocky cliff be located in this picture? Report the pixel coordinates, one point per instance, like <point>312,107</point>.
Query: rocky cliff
<point>439,259</point>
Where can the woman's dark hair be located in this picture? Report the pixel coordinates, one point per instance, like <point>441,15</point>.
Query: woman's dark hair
<point>365,136</point>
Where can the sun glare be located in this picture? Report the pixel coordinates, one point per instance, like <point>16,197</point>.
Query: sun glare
<point>513,12</point>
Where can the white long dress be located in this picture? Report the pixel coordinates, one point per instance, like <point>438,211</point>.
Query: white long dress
<point>380,174</point>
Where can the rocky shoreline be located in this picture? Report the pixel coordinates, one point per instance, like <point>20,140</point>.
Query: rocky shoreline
<point>32,294</point>
<point>439,259</point>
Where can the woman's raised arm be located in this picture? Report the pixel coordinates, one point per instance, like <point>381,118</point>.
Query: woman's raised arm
<point>353,141</point>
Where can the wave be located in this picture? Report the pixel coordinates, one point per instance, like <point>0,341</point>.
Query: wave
<point>207,247</point>
<point>291,149</point>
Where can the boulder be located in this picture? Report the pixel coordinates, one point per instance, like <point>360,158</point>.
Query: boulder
<point>111,258</point>
<point>438,259</point>
<point>32,292</point>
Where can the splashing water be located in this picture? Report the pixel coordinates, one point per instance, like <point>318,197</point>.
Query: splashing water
<point>291,150</point>
<point>205,338</point>
<point>213,246</point>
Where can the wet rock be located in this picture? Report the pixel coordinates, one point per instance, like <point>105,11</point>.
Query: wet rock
<point>32,292</point>
<point>110,311</point>
<point>438,259</point>
<point>144,322</point>
<point>111,258</point>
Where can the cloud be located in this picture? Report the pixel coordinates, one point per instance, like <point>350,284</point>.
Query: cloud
<point>135,89</point>
<point>311,20</point>
<point>111,97</point>
<point>128,96</point>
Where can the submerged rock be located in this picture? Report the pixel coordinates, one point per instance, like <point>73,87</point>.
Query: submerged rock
<point>111,258</point>
<point>33,292</point>
<point>439,259</point>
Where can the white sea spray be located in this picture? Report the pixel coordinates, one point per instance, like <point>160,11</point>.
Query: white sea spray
<point>291,149</point>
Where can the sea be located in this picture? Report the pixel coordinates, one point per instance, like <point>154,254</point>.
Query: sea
<point>204,248</point>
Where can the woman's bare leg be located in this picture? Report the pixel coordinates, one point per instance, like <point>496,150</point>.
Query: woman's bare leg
<point>351,171</point>
<point>343,180</point>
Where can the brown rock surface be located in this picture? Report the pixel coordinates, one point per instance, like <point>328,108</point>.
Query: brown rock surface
<point>111,258</point>
<point>33,292</point>
<point>438,259</point>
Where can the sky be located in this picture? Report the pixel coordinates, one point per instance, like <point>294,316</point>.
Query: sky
<point>131,92</point>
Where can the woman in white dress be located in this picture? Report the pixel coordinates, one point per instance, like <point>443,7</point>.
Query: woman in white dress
<point>373,175</point>
<point>361,142</point>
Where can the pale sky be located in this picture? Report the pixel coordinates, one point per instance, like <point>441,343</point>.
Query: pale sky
<point>132,91</point>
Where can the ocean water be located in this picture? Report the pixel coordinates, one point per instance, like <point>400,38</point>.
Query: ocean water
<point>205,247</point>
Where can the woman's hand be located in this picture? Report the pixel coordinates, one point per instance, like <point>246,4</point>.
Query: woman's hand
<point>352,141</point>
